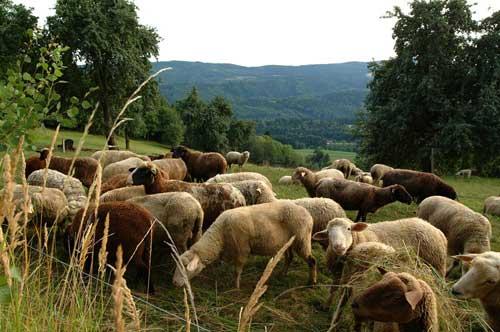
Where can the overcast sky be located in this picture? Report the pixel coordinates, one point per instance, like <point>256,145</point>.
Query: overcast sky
<point>263,32</point>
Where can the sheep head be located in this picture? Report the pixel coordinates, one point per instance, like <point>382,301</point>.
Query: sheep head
<point>300,174</point>
<point>180,152</point>
<point>400,194</point>
<point>144,174</point>
<point>192,266</point>
<point>481,279</point>
<point>392,299</point>
<point>338,232</point>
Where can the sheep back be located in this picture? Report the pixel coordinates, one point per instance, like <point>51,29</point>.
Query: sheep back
<point>201,166</point>
<point>492,205</point>
<point>112,156</point>
<point>241,176</point>
<point>122,194</point>
<point>115,182</point>
<point>120,167</point>
<point>175,168</point>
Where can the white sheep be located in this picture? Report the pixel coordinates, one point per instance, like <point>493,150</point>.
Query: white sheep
<point>255,192</point>
<point>345,166</point>
<point>122,194</point>
<point>179,212</point>
<point>482,282</point>
<point>287,181</point>
<point>468,232</point>
<point>310,179</point>
<point>113,156</point>
<point>120,167</point>
<point>235,157</point>
<point>71,187</point>
<point>258,230</point>
<point>241,176</point>
<point>465,173</point>
<point>377,171</point>
<point>364,177</point>
<point>414,233</point>
<point>492,205</point>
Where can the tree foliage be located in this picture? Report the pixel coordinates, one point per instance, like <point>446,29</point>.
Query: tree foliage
<point>318,159</point>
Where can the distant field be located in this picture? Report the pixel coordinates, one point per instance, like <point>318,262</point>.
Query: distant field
<point>333,154</point>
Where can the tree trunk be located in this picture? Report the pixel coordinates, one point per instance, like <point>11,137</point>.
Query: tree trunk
<point>108,122</point>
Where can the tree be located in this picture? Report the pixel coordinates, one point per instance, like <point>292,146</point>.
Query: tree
<point>318,159</point>
<point>240,134</point>
<point>108,46</point>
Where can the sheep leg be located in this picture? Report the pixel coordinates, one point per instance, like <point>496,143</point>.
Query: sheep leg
<point>288,261</point>
<point>239,270</point>
<point>143,273</point>
<point>358,216</point>
<point>311,262</point>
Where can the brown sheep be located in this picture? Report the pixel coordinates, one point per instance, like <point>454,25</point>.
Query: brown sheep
<point>214,198</point>
<point>361,196</point>
<point>175,168</point>
<point>84,167</point>
<point>420,185</point>
<point>115,182</point>
<point>201,166</point>
<point>130,226</point>
<point>310,179</point>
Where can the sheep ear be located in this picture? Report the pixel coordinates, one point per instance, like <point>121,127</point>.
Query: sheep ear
<point>381,270</point>
<point>193,264</point>
<point>321,236</point>
<point>130,170</point>
<point>259,190</point>
<point>467,258</point>
<point>302,174</point>
<point>359,227</point>
<point>414,297</point>
<point>154,170</point>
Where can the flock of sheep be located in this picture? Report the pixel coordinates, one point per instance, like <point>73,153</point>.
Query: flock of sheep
<point>211,215</point>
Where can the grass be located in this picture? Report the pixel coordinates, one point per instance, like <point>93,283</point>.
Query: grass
<point>286,306</point>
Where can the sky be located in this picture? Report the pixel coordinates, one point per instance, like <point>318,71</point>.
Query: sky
<point>265,32</point>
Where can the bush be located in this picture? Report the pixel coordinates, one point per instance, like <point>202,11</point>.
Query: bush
<point>263,149</point>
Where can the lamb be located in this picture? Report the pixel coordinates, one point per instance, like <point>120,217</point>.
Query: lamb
<point>71,187</point>
<point>344,165</point>
<point>259,230</point>
<point>414,233</point>
<point>378,170</point>
<point>287,181</point>
<point>364,177</point>
<point>361,196</point>
<point>468,232</point>
<point>420,185</point>
<point>175,168</point>
<point>179,212</point>
<point>122,194</point>
<point>255,192</point>
<point>465,173</point>
<point>201,166</point>
<point>309,179</point>
<point>120,167</point>
<point>214,197</point>
<point>241,176</point>
<point>84,168</point>
<point>112,156</point>
<point>114,182</point>
<point>492,205</point>
<point>482,282</point>
<point>234,157</point>
<point>130,226</point>
<point>400,298</point>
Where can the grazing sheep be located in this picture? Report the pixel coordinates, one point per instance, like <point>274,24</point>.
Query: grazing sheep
<point>175,168</point>
<point>71,187</point>
<point>420,185</point>
<point>255,192</point>
<point>377,171</point>
<point>361,196</point>
<point>468,232</point>
<point>47,205</point>
<point>234,157</point>
<point>179,212</point>
<point>114,182</point>
<point>214,197</point>
<point>428,242</point>
<point>343,165</point>
<point>259,230</point>
<point>492,205</point>
<point>130,226</point>
<point>364,177</point>
<point>84,168</point>
<point>399,298</point>
<point>287,181</point>
<point>465,173</point>
<point>112,156</point>
<point>241,176</point>
<point>120,167</point>
<point>122,194</point>
<point>309,179</point>
<point>358,171</point>
<point>201,166</point>
<point>482,282</point>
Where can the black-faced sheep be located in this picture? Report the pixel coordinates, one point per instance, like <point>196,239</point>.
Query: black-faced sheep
<point>309,179</point>
<point>492,205</point>
<point>201,166</point>
<point>258,230</point>
<point>420,185</point>
<point>241,176</point>
<point>112,156</point>
<point>377,171</point>
<point>84,168</point>
<point>130,226</point>
<point>362,197</point>
<point>234,157</point>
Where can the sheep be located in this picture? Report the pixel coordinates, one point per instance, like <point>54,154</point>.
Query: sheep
<point>287,180</point>
<point>377,171</point>
<point>309,179</point>
<point>362,197</point>
<point>122,194</point>
<point>400,298</point>
<point>241,176</point>
<point>175,168</point>
<point>345,166</point>
<point>364,177</point>
<point>48,205</point>
<point>112,156</point>
<point>84,168</point>
<point>201,166</point>
<point>420,185</point>
<point>358,171</point>
<point>482,282</point>
<point>114,182</point>
<point>120,167</point>
<point>179,212</point>
<point>130,226</point>
<point>214,197</point>
<point>70,186</point>
<point>255,192</point>
<point>234,157</point>
<point>259,230</point>
<point>468,232</point>
<point>465,173</point>
<point>492,205</point>
<point>414,233</point>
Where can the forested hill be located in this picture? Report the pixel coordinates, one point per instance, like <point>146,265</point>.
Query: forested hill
<point>319,92</point>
